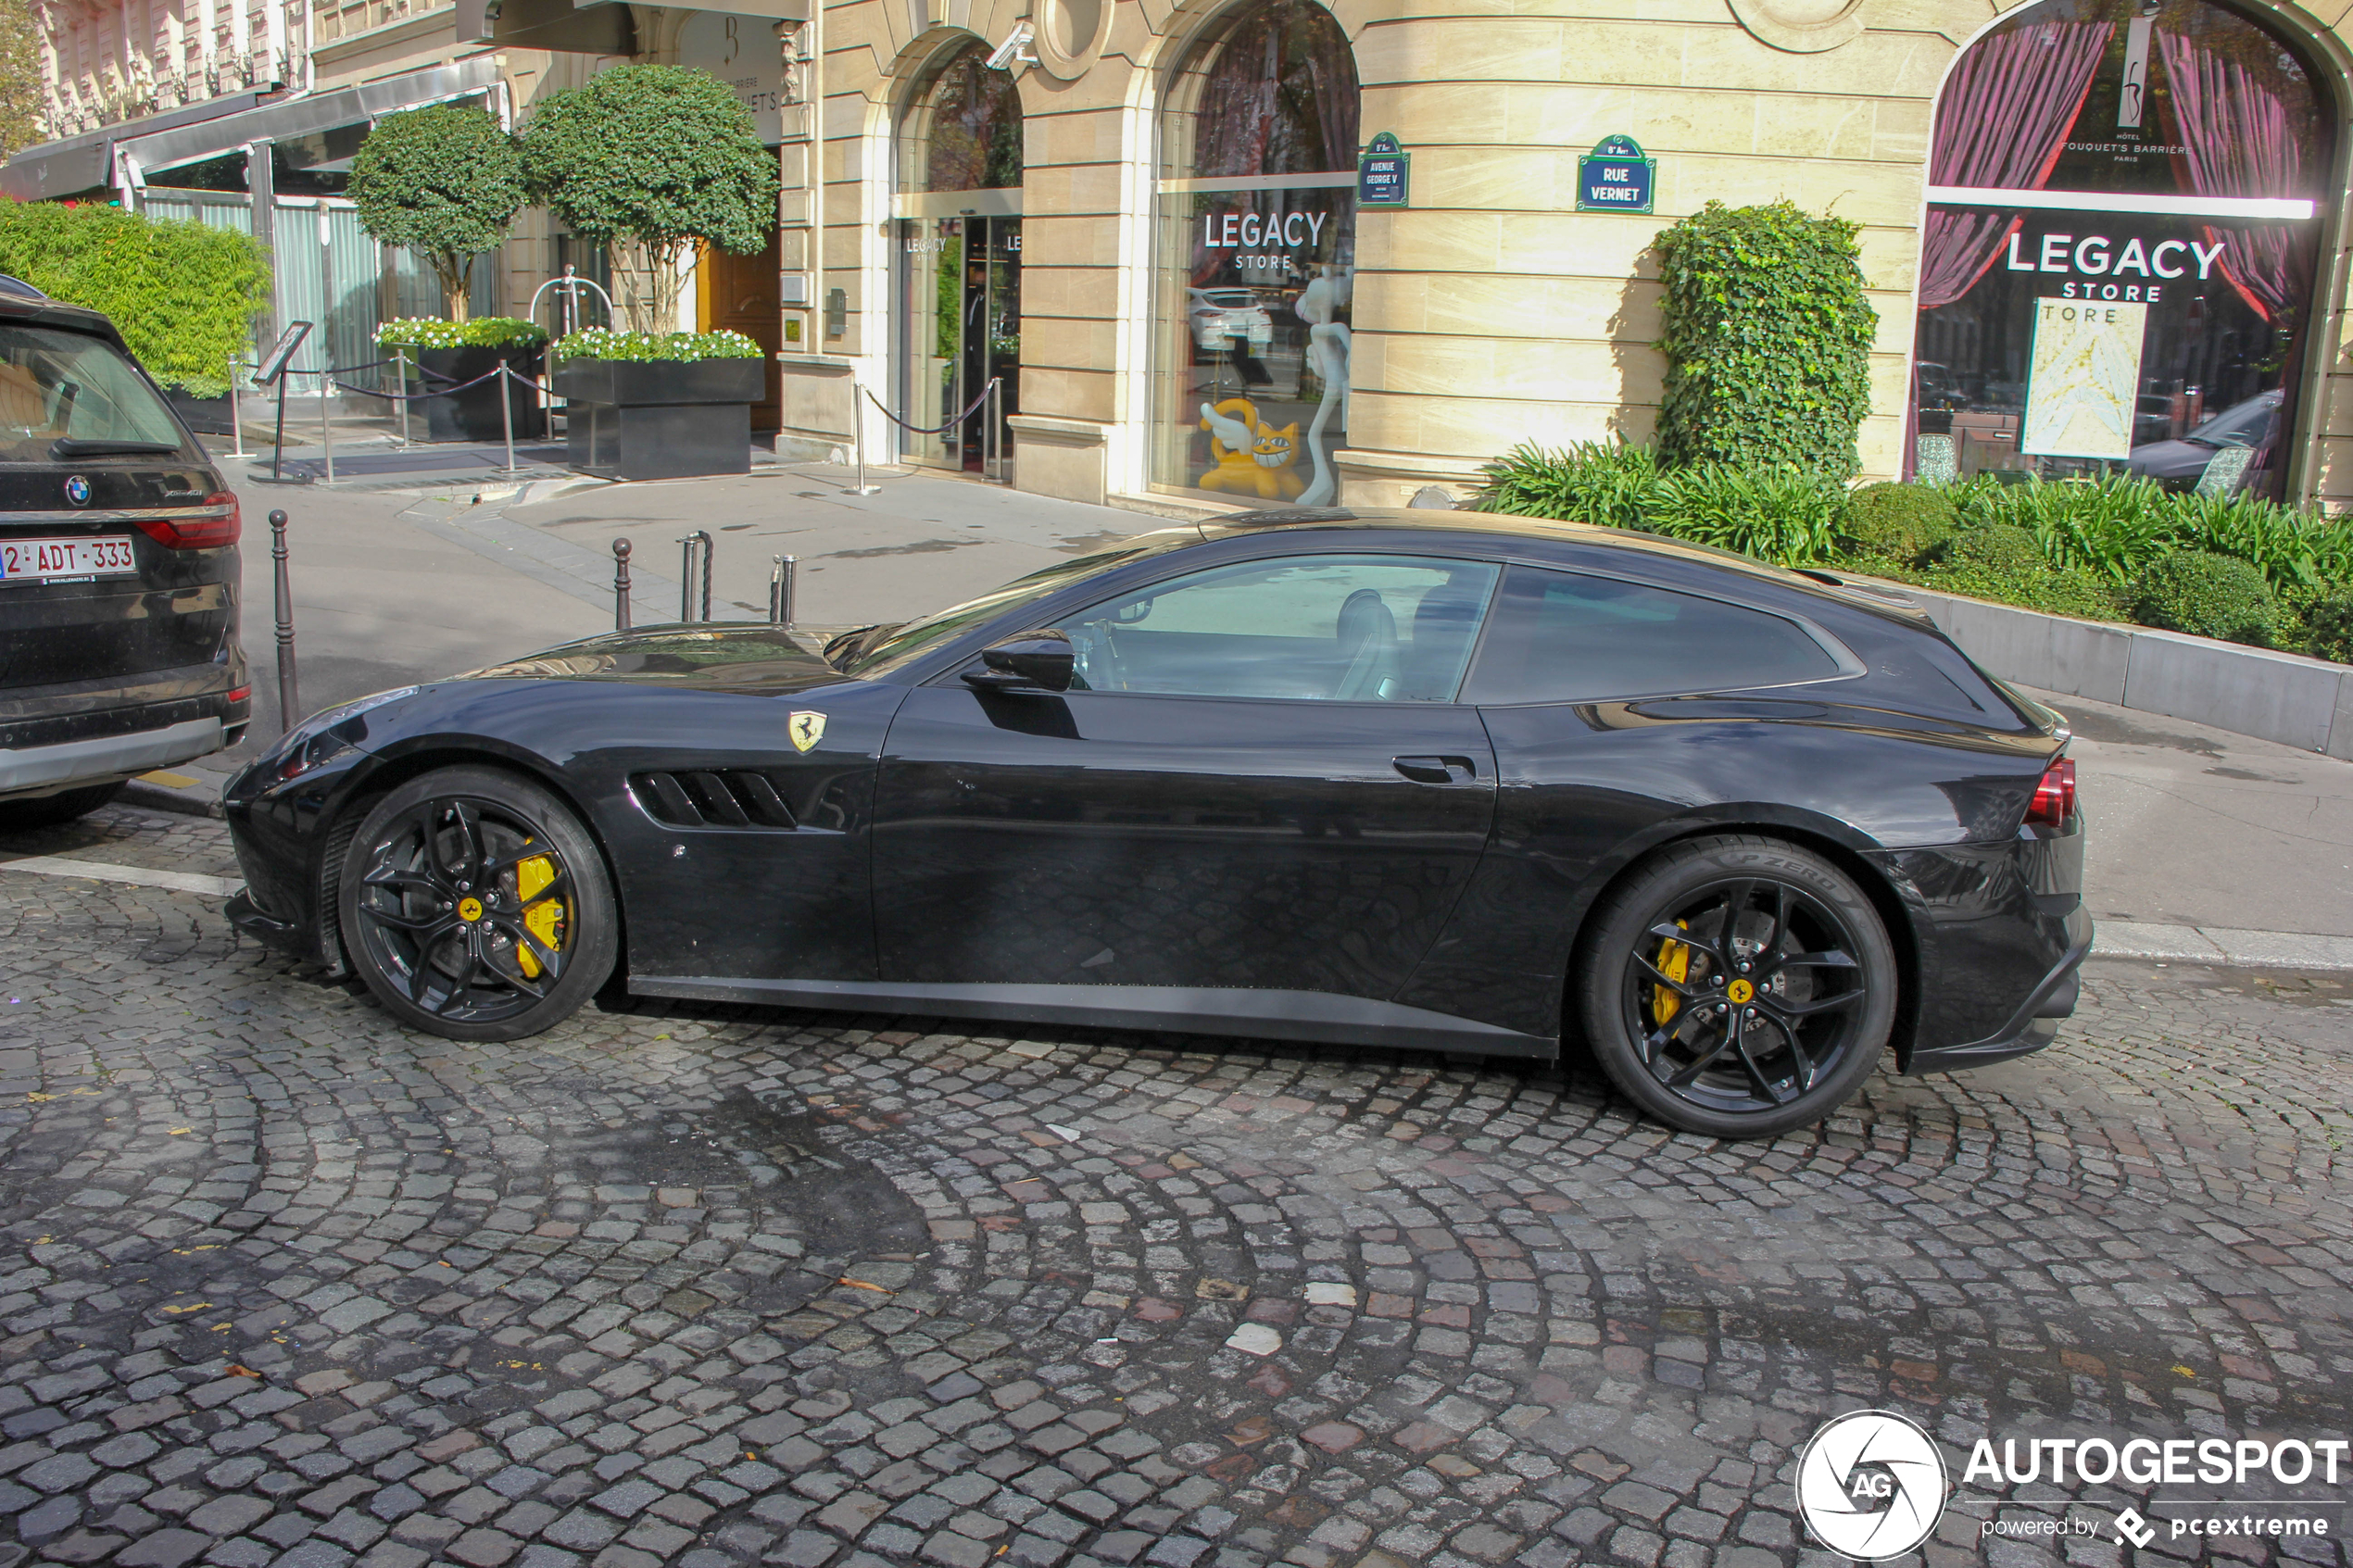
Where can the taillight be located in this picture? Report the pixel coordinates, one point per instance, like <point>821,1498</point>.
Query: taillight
<point>203,528</point>
<point>2054,796</point>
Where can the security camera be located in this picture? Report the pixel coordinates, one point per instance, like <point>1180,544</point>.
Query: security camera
<point>1015,50</point>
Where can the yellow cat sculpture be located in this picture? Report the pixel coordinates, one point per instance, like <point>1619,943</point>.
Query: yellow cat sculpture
<point>1252,456</point>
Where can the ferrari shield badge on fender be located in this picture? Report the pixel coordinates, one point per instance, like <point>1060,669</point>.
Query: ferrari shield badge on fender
<point>806,729</point>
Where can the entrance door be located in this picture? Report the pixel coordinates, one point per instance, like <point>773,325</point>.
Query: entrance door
<point>742,293</point>
<point>960,316</point>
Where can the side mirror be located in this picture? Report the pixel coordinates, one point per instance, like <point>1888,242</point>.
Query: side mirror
<point>1041,660</point>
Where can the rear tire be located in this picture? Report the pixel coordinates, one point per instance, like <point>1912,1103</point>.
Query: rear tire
<point>48,810</point>
<point>474,905</point>
<point>1737,986</point>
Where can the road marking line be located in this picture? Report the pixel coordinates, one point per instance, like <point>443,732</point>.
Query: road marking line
<point>100,871</point>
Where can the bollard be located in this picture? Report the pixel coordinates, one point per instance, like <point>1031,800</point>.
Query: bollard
<point>236,422</point>
<point>696,542</point>
<point>780,591</point>
<point>326,428</point>
<point>289,704</point>
<point>400,359</point>
<point>620,584</point>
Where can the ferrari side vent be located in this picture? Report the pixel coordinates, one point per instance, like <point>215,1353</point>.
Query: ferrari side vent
<point>726,798</point>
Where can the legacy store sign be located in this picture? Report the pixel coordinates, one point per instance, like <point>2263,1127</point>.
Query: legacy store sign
<point>2131,268</point>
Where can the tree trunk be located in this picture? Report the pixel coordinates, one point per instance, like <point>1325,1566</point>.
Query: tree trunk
<point>456,273</point>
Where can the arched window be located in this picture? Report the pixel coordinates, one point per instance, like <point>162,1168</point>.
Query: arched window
<point>1256,248</point>
<point>962,131</point>
<point>2118,269</point>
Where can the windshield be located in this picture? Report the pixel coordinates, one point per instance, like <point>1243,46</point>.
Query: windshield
<point>64,395</point>
<point>904,642</point>
<point>2241,425</point>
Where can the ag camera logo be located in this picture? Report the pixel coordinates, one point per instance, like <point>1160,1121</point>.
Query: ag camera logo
<point>1871,1484</point>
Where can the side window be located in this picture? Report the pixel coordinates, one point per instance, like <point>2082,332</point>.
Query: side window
<point>1328,628</point>
<point>1557,636</point>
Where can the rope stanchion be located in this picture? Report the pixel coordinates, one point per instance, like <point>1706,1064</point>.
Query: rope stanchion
<point>940,429</point>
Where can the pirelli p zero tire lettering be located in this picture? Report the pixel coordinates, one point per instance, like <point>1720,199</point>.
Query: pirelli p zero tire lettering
<point>1737,986</point>
<point>474,904</point>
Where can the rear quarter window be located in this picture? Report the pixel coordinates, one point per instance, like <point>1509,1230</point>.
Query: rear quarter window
<point>1561,636</point>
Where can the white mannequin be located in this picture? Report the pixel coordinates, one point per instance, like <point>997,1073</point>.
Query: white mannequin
<point>1328,349</point>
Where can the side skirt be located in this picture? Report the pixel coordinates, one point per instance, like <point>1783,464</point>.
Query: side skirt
<point>1280,1015</point>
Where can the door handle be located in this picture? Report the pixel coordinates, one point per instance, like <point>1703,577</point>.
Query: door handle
<point>1436,770</point>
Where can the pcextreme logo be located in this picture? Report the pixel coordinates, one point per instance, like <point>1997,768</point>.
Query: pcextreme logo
<point>1871,1485</point>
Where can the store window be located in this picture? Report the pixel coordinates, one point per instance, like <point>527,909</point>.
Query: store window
<point>1256,247</point>
<point>2118,271</point>
<point>958,265</point>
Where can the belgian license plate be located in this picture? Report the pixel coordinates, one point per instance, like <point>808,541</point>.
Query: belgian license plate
<point>44,558</point>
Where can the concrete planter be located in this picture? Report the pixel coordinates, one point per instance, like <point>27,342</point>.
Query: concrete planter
<point>2307,703</point>
<point>473,415</point>
<point>658,419</point>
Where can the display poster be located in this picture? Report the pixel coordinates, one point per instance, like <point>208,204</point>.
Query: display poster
<point>2083,377</point>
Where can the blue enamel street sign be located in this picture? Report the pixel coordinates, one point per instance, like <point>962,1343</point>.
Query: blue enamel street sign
<point>1381,173</point>
<point>1615,177</point>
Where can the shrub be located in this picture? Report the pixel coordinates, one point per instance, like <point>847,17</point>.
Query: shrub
<point>2207,595</point>
<point>1606,482</point>
<point>657,161</point>
<point>1767,340</point>
<point>181,294</point>
<point>2003,548</point>
<point>445,180</point>
<point>1782,515</point>
<point>1900,521</point>
<point>483,331</point>
<point>603,343</point>
<point>2328,626</point>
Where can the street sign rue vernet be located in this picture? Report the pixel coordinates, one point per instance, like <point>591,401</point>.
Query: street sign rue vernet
<point>1616,177</point>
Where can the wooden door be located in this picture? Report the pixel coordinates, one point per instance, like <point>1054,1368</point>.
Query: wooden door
<point>741,294</point>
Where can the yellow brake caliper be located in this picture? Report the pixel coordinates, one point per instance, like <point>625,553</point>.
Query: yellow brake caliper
<point>544,920</point>
<point>1675,962</point>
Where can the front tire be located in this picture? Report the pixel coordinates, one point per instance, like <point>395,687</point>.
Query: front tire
<point>1738,987</point>
<point>474,905</point>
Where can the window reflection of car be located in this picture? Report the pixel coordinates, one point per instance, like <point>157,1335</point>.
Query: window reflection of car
<point>2179,465</point>
<point>1221,314</point>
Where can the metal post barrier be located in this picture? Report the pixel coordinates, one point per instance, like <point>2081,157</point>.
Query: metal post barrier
<point>696,542</point>
<point>278,438</point>
<point>507,378</point>
<point>992,433</point>
<point>780,587</point>
<point>236,424</point>
<point>326,426</point>
<point>400,359</point>
<point>289,703</point>
<point>858,438</point>
<point>620,584</point>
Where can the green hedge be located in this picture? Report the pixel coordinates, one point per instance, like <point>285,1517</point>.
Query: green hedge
<point>1767,340</point>
<point>2089,551</point>
<point>182,295</point>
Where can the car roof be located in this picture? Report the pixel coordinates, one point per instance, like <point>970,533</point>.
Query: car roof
<point>35,308</point>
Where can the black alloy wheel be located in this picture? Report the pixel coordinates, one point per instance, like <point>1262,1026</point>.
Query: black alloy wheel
<point>474,905</point>
<point>1738,987</point>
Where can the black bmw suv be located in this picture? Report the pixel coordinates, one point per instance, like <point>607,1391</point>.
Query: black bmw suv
<point>119,570</point>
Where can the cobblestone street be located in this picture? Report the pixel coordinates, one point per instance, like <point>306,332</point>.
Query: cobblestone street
<point>714,1285</point>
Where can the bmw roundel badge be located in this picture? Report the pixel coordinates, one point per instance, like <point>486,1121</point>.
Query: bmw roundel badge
<point>78,490</point>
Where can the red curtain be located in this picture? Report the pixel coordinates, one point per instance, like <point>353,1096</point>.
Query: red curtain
<point>2239,142</point>
<point>2002,121</point>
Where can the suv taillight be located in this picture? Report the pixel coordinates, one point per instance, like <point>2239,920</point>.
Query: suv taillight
<point>202,528</point>
<point>2054,796</point>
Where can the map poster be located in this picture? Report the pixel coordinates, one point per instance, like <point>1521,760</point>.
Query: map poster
<point>2082,379</point>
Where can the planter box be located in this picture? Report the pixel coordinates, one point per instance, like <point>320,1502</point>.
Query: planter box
<point>658,419</point>
<point>472,415</point>
<point>206,415</point>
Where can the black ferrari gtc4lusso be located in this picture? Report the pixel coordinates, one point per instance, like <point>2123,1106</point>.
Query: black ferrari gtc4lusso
<point>1441,781</point>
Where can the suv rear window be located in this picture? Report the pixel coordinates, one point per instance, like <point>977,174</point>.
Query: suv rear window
<point>1559,636</point>
<point>59,387</point>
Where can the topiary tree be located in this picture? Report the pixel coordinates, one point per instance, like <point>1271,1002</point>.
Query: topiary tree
<point>653,160</point>
<point>1767,340</point>
<point>2207,596</point>
<point>444,180</point>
